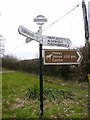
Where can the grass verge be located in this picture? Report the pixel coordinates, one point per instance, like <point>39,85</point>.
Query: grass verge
<point>61,99</point>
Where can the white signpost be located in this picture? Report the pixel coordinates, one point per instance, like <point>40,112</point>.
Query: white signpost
<point>40,20</point>
<point>56,41</point>
<point>51,56</point>
<point>28,40</point>
<point>27,33</point>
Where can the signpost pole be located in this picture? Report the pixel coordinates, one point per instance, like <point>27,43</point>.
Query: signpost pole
<point>40,20</point>
<point>41,71</point>
<point>41,80</point>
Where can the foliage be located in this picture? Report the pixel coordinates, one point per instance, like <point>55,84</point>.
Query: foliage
<point>67,72</point>
<point>10,62</point>
<point>48,93</point>
<point>2,46</point>
<point>30,66</point>
<point>86,59</point>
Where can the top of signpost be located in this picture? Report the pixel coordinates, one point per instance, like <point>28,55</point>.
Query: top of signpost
<point>40,20</point>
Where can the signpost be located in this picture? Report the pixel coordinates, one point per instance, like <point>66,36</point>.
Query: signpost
<point>53,41</point>
<point>56,41</point>
<point>62,57</point>
<point>40,20</point>
<point>27,33</point>
<point>51,57</point>
<point>28,40</point>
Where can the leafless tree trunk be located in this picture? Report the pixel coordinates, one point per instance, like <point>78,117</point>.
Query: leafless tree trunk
<point>2,47</point>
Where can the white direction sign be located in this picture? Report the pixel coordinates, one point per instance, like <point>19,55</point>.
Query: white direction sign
<point>27,33</point>
<point>56,41</point>
<point>28,40</point>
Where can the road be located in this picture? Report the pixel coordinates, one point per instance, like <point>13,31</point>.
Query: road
<point>6,72</point>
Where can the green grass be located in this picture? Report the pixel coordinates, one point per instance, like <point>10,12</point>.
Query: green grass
<point>0,95</point>
<point>70,101</point>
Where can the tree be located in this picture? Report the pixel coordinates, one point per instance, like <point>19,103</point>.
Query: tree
<point>2,47</point>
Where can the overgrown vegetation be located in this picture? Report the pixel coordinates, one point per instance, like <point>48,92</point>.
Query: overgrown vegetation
<point>66,72</point>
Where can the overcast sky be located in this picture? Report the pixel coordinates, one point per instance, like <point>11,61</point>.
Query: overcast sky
<point>14,13</point>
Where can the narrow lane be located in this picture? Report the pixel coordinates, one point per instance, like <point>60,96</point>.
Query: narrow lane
<point>6,72</point>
